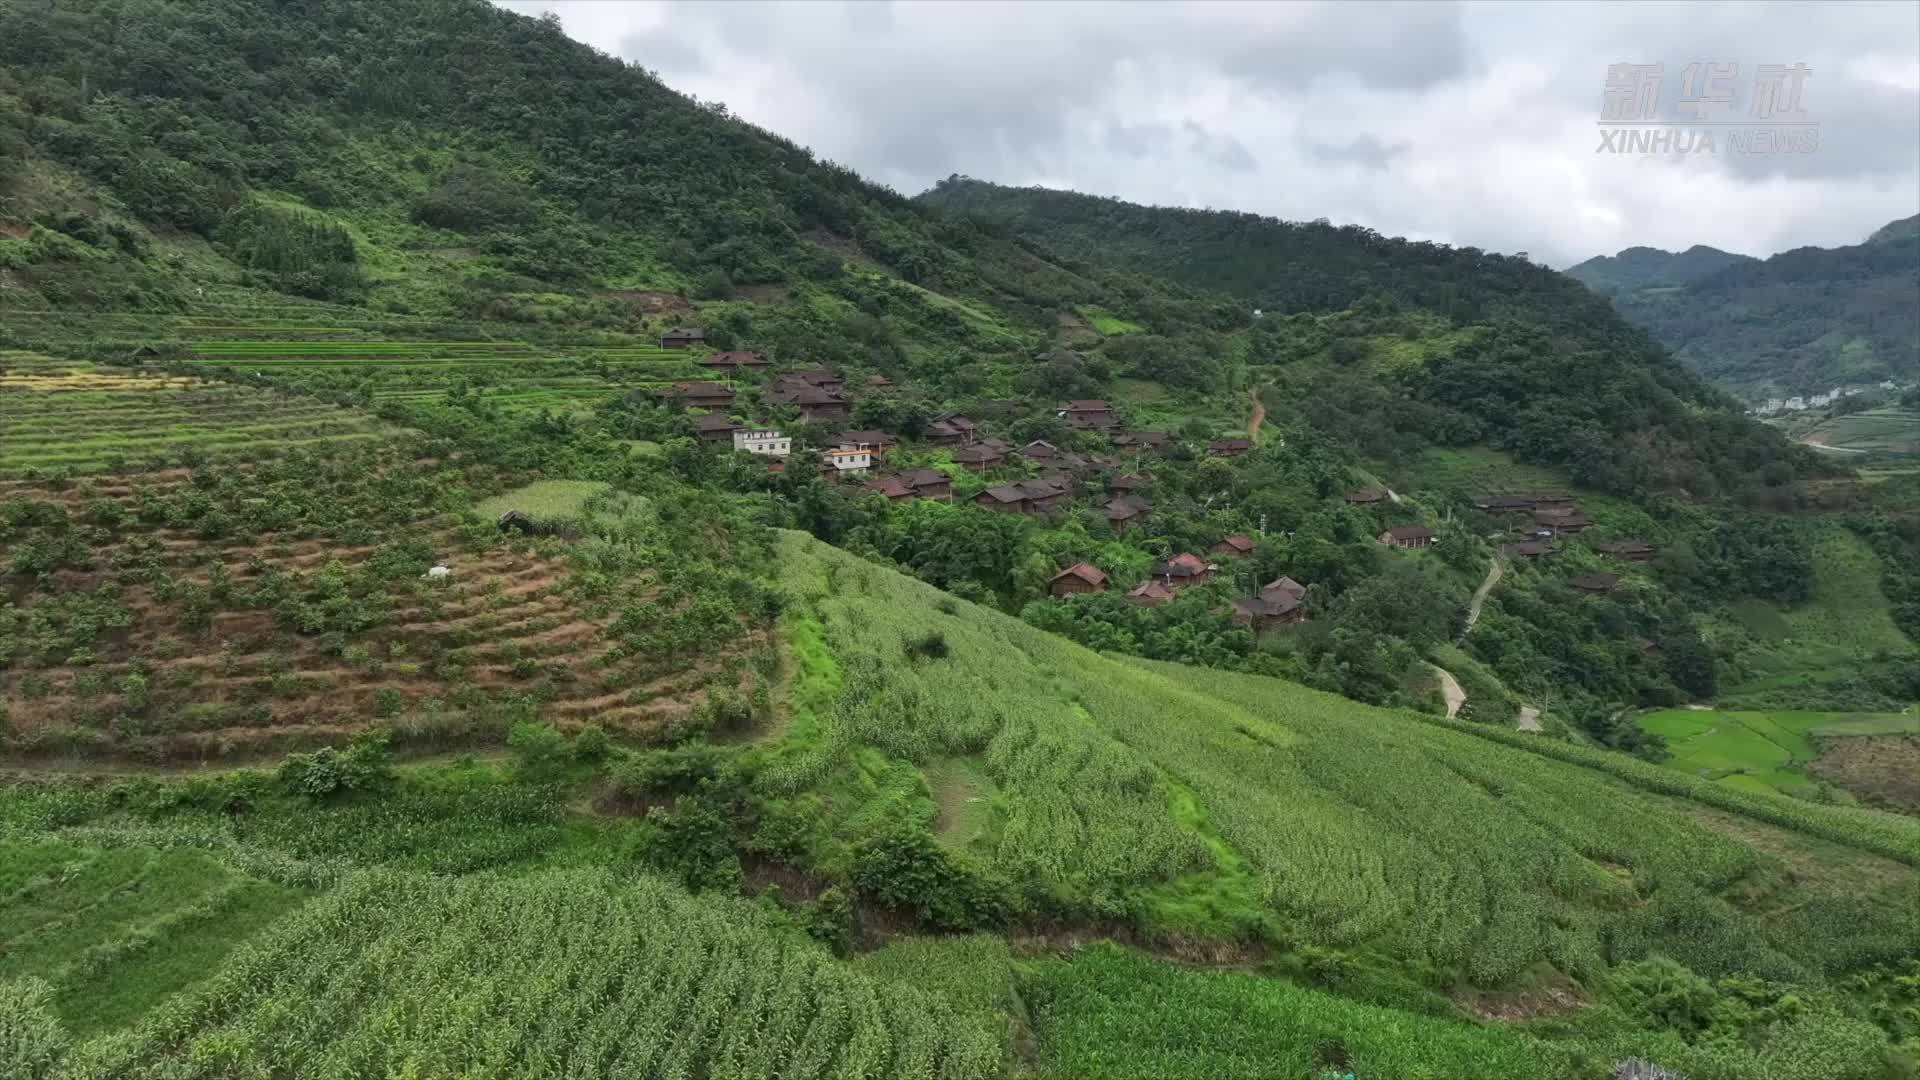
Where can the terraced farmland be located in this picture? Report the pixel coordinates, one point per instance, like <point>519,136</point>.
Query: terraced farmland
<point>516,376</point>
<point>234,609</point>
<point>77,416</point>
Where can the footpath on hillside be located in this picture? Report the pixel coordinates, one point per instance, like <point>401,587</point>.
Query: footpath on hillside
<point>1258,416</point>
<point>1450,690</point>
<point>1480,596</point>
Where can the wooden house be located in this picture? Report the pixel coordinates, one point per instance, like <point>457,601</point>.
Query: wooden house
<point>1596,583</point>
<point>891,488</point>
<point>1078,578</point>
<point>1527,549</point>
<point>683,337</point>
<point>1183,570</point>
<point>1142,441</point>
<point>824,378</point>
<point>1278,603</point>
<point>1365,497</point>
<point>714,427</point>
<point>1408,536</point>
<point>979,458</point>
<point>1126,511</point>
<point>1005,499</point>
<point>1563,522</point>
<point>1229,448</point>
<point>733,361</point>
<point>1091,413</point>
<point>930,484</point>
<point>1234,546</point>
<point>1627,550</point>
<point>951,430</point>
<point>1150,593</point>
<point>703,395</point>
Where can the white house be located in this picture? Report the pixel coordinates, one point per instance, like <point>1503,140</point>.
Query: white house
<point>768,443</point>
<point>850,460</point>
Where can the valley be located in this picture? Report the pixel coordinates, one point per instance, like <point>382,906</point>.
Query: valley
<point>593,590</point>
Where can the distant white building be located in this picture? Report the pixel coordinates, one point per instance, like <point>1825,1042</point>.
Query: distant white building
<point>850,461</point>
<point>766,443</point>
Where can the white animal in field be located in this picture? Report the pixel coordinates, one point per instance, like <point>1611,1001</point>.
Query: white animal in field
<point>439,573</point>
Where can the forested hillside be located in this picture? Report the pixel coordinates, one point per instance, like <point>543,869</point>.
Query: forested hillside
<point>1803,321</point>
<point>1645,267</point>
<point>1504,351</point>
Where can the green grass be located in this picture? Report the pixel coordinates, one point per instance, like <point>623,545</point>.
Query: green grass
<point>1106,322</point>
<point>1475,470</point>
<point>116,931</point>
<point>1846,621</point>
<point>544,500</point>
<point>1760,751</point>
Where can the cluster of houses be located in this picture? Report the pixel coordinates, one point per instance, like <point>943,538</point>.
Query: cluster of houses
<point>1551,516</point>
<point>819,394</point>
<point>1277,603</point>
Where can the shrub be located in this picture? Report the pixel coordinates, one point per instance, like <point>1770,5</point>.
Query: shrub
<point>538,750</point>
<point>931,646</point>
<point>694,841</point>
<point>364,765</point>
<point>830,920</point>
<point>907,870</point>
<point>592,743</point>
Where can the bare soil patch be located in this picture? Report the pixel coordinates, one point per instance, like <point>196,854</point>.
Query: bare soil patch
<point>1880,770</point>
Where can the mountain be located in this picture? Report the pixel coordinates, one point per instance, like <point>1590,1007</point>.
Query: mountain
<point>404,671</point>
<point>1398,345</point>
<point>1644,267</point>
<point>1803,320</point>
<point>1895,231</point>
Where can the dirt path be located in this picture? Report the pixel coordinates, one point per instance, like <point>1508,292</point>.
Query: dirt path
<point>1259,415</point>
<point>1450,690</point>
<point>1480,596</point>
<point>1530,719</point>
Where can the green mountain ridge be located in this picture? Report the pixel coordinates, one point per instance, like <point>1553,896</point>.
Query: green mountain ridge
<point>1645,267</point>
<point>1801,321</point>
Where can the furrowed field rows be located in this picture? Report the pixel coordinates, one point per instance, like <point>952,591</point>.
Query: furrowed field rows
<point>1253,800</point>
<point>572,973</point>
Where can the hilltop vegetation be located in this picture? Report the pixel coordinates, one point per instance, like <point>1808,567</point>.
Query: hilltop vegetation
<point>1802,321</point>
<point>1396,346</point>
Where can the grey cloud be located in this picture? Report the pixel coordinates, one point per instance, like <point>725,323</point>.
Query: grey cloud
<point>1138,140</point>
<point>1366,151</point>
<point>1223,150</point>
<point>1406,46</point>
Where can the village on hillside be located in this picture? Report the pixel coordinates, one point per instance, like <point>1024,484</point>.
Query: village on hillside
<point>801,417</point>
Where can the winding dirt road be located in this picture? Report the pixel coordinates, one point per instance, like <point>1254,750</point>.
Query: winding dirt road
<point>1258,416</point>
<point>1450,690</point>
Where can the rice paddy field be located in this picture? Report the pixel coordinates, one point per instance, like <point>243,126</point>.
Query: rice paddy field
<point>1762,751</point>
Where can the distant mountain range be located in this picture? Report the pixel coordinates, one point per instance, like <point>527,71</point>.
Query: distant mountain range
<point>1803,320</point>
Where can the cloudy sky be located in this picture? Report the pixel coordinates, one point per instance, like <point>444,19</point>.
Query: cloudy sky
<point>1469,123</point>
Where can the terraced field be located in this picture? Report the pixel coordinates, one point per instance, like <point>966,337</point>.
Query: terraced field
<point>74,415</point>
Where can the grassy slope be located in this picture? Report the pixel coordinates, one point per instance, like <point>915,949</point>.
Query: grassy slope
<point>1260,807</point>
<point>1846,620</point>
